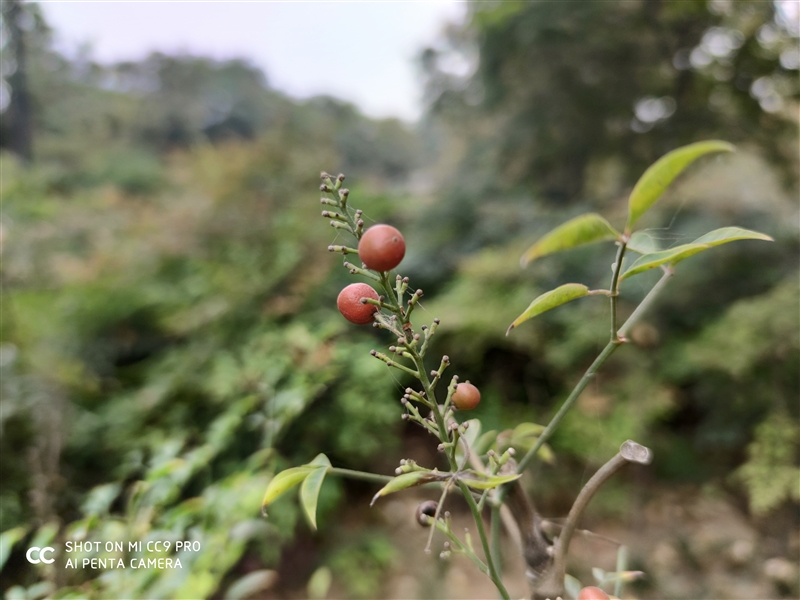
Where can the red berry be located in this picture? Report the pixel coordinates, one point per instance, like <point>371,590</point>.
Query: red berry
<point>466,396</point>
<point>351,307</point>
<point>381,248</point>
<point>592,593</point>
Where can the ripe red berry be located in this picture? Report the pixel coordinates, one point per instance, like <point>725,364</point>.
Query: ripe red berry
<point>351,307</point>
<point>466,396</point>
<point>382,248</point>
<point>592,593</point>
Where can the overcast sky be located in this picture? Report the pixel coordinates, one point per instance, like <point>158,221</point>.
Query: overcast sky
<point>363,52</point>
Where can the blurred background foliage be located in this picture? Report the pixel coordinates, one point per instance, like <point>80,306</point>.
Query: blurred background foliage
<point>169,336</point>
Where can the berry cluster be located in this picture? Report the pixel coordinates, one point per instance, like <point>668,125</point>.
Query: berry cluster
<point>381,248</point>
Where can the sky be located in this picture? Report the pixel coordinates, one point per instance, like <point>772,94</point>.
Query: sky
<point>363,52</point>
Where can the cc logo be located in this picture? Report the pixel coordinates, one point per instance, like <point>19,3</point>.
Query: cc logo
<point>40,552</point>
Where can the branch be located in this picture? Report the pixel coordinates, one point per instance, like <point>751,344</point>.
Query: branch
<point>552,584</point>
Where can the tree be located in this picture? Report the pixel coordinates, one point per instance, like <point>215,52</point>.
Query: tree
<point>567,85</point>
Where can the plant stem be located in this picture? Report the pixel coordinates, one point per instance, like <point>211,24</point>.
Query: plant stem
<point>587,377</point>
<point>590,372</point>
<point>373,477</point>
<point>494,533</point>
<point>615,288</point>
<point>645,303</point>
<point>444,434</point>
<point>600,477</point>
<point>463,548</point>
<point>476,515</point>
<point>630,452</point>
<point>622,565</point>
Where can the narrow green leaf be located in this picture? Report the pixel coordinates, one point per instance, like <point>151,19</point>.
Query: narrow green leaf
<point>584,229</point>
<point>479,481</point>
<point>642,242</point>
<point>546,454</point>
<point>674,255</point>
<point>522,438</point>
<point>282,483</point>
<point>730,234</point>
<point>407,480</point>
<point>561,295</point>
<point>309,494</point>
<point>657,178</point>
<point>527,430</point>
<point>7,541</point>
<point>656,259</point>
<point>320,460</point>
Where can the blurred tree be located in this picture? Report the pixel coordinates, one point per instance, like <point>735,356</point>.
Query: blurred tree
<point>20,21</point>
<point>542,110</point>
<point>568,85</point>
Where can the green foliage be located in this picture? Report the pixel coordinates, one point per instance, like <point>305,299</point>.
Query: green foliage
<point>407,480</point>
<point>549,300</point>
<point>167,313</point>
<point>163,314</point>
<point>657,178</point>
<point>360,565</point>
<point>584,229</point>
<point>566,87</point>
<point>310,489</point>
<point>675,255</point>
<point>752,332</point>
<point>771,472</point>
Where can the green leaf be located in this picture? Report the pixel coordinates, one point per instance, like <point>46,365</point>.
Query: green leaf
<point>7,540</point>
<point>730,234</point>
<point>309,493</point>
<point>522,438</point>
<point>584,229</point>
<point>320,460</point>
<point>407,480</point>
<point>524,430</point>
<point>642,242</point>
<point>286,480</point>
<point>674,255</point>
<point>479,481</point>
<point>656,259</point>
<point>561,295</point>
<point>282,483</point>
<point>485,442</point>
<point>657,178</point>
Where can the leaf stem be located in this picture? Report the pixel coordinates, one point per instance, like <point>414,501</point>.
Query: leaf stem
<point>645,303</point>
<point>615,288</point>
<point>476,515</point>
<point>361,475</point>
<point>494,533</point>
<point>554,422</point>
